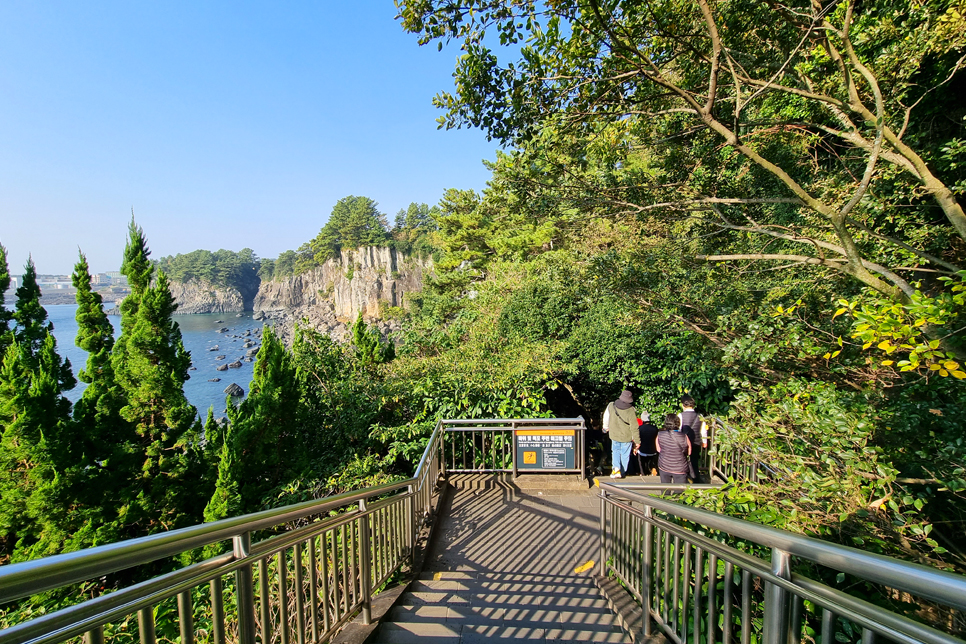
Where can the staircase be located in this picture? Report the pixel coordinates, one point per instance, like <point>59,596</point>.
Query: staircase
<point>507,564</point>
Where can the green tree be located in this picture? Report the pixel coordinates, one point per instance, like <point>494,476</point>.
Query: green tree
<point>354,222</point>
<point>369,346</point>
<point>151,366</point>
<point>100,458</point>
<point>30,317</point>
<point>263,446</point>
<point>5,315</point>
<point>35,421</point>
<point>810,141</point>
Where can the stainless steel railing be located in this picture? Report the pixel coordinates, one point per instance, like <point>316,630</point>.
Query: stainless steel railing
<point>491,445</point>
<point>297,586</point>
<point>728,460</point>
<point>693,585</point>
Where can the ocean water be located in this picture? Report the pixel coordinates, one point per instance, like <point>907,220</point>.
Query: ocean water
<point>199,332</point>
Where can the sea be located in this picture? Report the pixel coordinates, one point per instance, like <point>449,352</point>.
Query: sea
<point>200,334</point>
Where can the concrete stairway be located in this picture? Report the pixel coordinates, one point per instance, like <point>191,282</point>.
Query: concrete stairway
<point>509,565</point>
<point>469,608</point>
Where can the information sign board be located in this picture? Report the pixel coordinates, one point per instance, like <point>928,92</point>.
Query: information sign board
<point>546,449</point>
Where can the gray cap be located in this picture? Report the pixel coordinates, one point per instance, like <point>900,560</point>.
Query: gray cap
<point>646,417</point>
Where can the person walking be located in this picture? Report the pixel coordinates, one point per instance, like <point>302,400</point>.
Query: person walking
<point>694,428</point>
<point>620,423</point>
<point>646,449</point>
<point>674,450</point>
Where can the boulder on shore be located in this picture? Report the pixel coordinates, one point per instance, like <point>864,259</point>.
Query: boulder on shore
<point>234,390</point>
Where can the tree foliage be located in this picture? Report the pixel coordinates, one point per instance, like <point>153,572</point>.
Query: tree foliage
<point>804,134</point>
<point>222,268</point>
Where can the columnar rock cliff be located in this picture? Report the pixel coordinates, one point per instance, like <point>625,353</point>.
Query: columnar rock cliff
<point>333,295</point>
<point>198,296</point>
<point>330,296</point>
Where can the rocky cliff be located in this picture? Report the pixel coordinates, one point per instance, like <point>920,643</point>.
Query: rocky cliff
<point>198,296</point>
<point>333,295</point>
<point>330,297</point>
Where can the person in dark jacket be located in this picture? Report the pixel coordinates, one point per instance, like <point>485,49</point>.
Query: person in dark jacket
<point>647,449</point>
<point>674,451</point>
<point>694,427</point>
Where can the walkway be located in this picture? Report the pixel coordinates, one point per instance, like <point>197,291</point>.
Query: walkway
<point>507,564</point>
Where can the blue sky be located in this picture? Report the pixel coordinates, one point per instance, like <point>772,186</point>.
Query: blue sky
<point>224,125</point>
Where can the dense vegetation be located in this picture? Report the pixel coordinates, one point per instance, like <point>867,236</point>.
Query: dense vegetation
<point>757,204</point>
<point>222,268</point>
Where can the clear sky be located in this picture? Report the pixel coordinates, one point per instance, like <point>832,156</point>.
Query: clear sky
<point>222,124</point>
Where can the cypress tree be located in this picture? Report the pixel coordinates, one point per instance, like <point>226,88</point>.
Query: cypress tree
<point>5,316</point>
<point>35,418</point>
<point>151,366</point>
<point>100,452</point>
<point>31,318</point>
<point>262,445</point>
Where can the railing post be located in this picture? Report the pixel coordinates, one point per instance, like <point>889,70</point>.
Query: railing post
<point>241,548</point>
<point>603,533</point>
<point>775,630</point>
<point>648,570</point>
<point>412,526</point>
<point>581,448</point>
<point>513,454</point>
<point>365,562</point>
<point>94,636</point>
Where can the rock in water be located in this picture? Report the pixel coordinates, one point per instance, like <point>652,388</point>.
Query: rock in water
<point>219,357</point>
<point>221,367</point>
<point>235,365</point>
<point>214,379</point>
<point>192,368</point>
<point>219,321</point>
<point>223,329</point>
<point>214,348</point>
<point>252,352</point>
<point>234,390</point>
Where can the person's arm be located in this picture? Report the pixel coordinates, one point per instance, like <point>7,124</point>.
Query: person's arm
<point>657,443</point>
<point>689,444</point>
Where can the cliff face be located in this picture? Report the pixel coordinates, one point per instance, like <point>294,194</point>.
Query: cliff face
<point>198,296</point>
<point>332,295</point>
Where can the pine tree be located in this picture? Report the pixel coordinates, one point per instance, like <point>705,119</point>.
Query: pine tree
<point>35,420</point>
<point>5,316</point>
<point>369,345</point>
<point>31,318</point>
<point>262,445</point>
<point>151,365</point>
<point>101,450</point>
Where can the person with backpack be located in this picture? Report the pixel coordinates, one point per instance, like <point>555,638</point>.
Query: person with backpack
<point>674,451</point>
<point>693,427</point>
<point>620,423</point>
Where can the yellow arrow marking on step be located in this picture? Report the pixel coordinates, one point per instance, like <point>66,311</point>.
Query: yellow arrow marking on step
<point>584,567</point>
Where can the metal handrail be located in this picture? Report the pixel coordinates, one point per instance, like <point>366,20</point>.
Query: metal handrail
<point>629,542</point>
<point>478,451</point>
<point>744,451</point>
<point>38,575</point>
<point>347,557</point>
